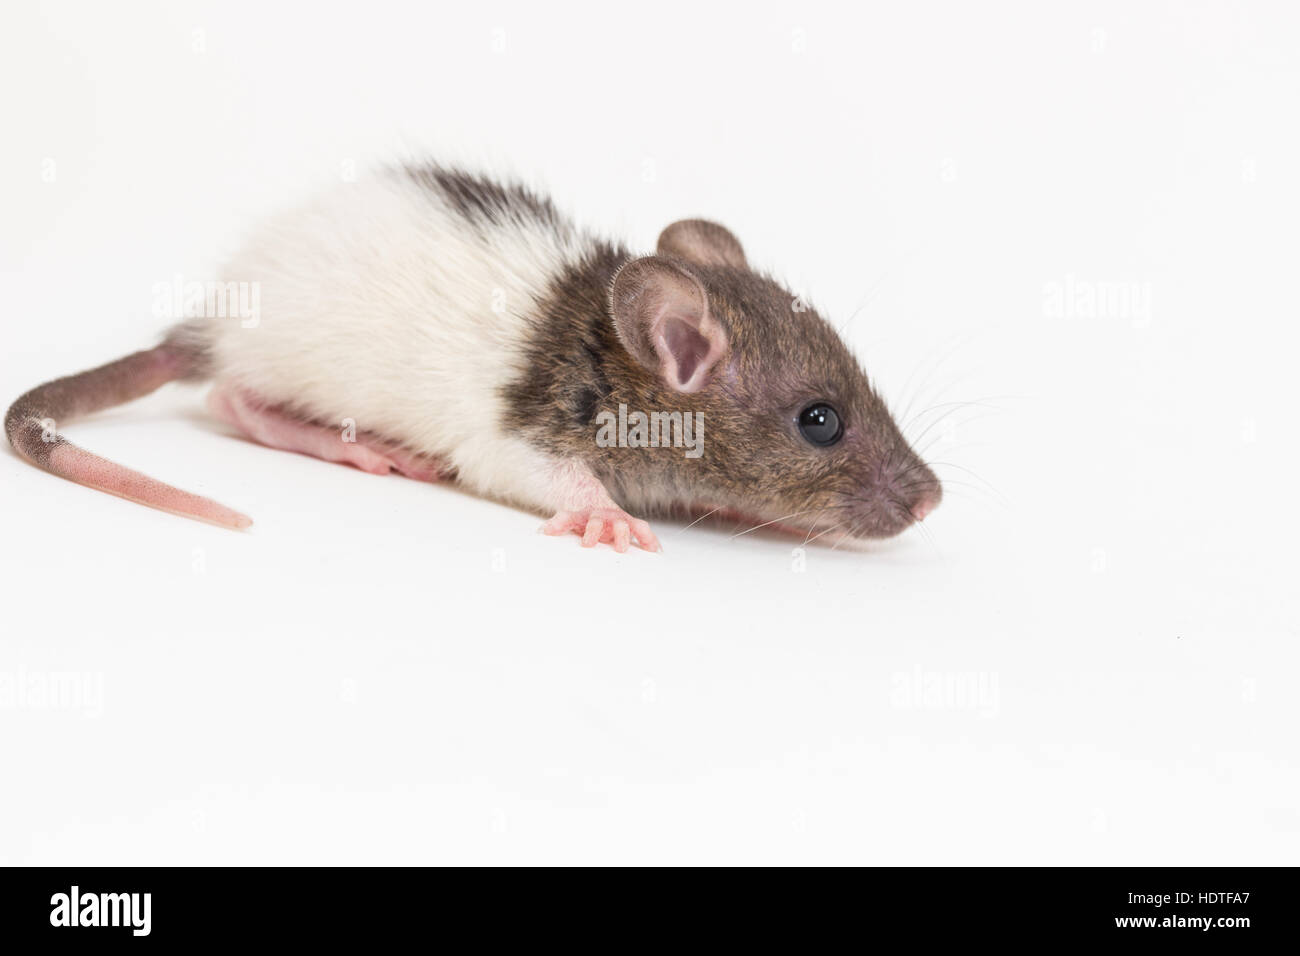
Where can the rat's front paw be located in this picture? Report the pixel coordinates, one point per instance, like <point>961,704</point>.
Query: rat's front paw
<point>610,525</point>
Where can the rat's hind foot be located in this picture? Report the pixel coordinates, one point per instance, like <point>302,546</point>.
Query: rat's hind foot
<point>609,525</point>
<point>278,430</point>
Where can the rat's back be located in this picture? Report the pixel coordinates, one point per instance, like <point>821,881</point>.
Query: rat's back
<point>399,302</point>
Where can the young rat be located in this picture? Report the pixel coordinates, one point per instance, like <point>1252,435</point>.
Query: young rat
<point>442,324</point>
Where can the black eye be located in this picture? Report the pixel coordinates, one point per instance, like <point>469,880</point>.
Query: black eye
<point>820,424</point>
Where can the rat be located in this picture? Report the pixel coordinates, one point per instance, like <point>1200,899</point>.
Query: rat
<point>451,326</point>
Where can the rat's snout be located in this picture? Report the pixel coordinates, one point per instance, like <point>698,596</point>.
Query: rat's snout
<point>894,501</point>
<point>918,489</point>
<point>926,501</point>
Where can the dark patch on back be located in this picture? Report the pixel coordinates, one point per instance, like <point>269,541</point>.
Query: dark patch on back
<point>571,358</point>
<point>588,404</point>
<point>484,200</point>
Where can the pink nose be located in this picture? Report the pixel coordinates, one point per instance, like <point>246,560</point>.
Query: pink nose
<point>924,505</point>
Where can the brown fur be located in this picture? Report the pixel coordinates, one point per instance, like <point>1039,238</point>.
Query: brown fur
<point>781,357</point>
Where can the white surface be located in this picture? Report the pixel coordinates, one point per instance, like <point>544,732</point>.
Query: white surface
<point>386,671</point>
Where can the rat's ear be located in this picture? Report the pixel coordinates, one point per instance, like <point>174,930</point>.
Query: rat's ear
<point>661,314</point>
<point>698,240</point>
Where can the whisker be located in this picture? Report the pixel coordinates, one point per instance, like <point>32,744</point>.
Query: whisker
<point>964,422</point>
<point>814,526</point>
<point>943,389</point>
<point>952,411</point>
<point>820,533</point>
<point>917,466</point>
<point>976,402</point>
<point>934,367</point>
<point>700,518</point>
<point>977,477</point>
<point>876,286</point>
<point>975,494</point>
<point>928,535</point>
<point>794,514</point>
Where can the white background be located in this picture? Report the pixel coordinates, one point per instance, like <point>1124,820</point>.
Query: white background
<point>384,671</point>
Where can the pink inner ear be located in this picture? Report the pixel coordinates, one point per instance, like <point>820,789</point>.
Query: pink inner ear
<point>687,347</point>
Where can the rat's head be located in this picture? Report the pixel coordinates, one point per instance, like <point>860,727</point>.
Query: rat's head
<point>794,433</point>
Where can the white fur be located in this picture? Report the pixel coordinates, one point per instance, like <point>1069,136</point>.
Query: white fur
<point>381,304</point>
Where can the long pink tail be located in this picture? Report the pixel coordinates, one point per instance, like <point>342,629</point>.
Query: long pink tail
<point>30,425</point>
